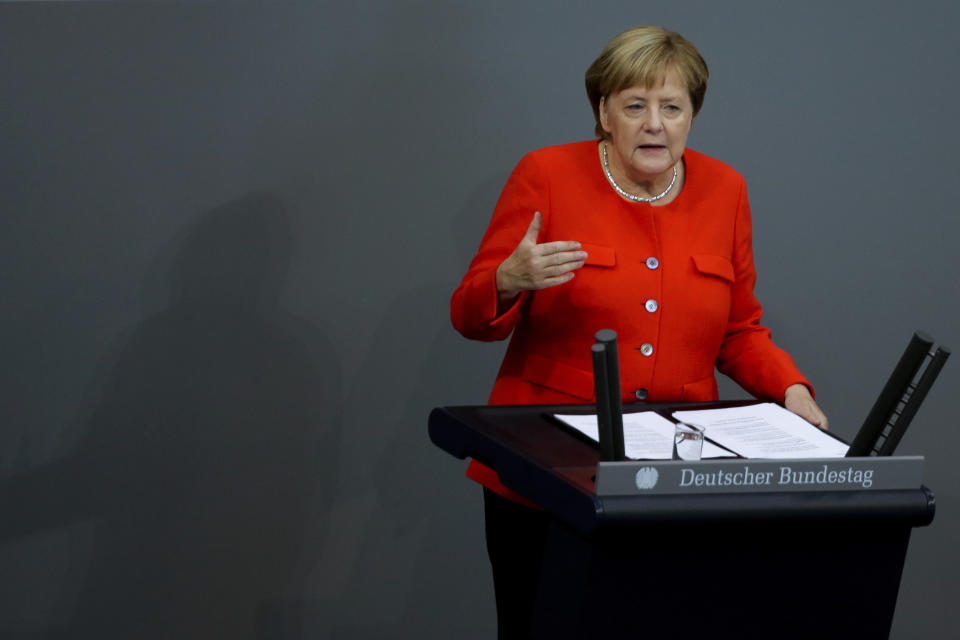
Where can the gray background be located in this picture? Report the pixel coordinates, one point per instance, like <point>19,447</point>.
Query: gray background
<point>228,239</point>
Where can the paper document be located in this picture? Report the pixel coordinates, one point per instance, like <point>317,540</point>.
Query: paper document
<point>646,435</point>
<point>764,431</point>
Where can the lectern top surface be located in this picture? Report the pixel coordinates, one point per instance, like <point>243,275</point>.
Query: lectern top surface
<point>556,468</point>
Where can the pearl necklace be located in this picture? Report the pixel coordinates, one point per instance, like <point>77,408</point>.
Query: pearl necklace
<point>630,196</point>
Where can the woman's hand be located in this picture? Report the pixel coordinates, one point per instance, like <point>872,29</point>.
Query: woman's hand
<point>798,400</point>
<point>537,266</point>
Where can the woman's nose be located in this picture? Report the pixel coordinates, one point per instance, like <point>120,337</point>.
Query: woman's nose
<point>653,121</point>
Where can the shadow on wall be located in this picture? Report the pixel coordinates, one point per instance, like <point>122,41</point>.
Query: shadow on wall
<point>207,466</point>
<point>402,552</point>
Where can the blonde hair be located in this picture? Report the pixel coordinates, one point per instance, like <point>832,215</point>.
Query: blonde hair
<point>641,56</point>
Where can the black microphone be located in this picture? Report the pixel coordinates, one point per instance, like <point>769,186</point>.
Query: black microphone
<point>607,386</point>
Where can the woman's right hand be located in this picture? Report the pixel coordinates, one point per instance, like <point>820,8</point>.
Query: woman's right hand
<point>538,266</point>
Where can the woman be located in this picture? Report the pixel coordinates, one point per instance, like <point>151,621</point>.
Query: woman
<point>633,232</point>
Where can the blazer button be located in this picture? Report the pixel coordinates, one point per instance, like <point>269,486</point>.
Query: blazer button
<point>641,394</point>
<point>651,305</point>
<point>646,349</point>
<point>652,263</point>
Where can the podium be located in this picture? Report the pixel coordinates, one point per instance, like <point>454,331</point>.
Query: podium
<point>790,564</point>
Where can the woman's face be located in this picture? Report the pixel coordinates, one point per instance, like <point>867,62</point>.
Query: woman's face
<point>648,128</point>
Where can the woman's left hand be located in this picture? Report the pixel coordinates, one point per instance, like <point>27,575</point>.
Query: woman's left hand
<point>798,400</point>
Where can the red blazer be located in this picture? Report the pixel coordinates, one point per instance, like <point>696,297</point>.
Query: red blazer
<point>675,282</point>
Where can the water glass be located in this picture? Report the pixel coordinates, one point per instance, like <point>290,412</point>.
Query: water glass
<point>687,441</point>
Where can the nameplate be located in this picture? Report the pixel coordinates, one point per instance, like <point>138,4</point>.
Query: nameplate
<point>758,476</point>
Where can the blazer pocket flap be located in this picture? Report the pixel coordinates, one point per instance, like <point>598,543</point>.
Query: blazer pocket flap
<point>714,266</point>
<point>558,376</point>
<point>599,255</point>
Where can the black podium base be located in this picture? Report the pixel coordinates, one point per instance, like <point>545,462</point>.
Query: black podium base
<point>762,580</point>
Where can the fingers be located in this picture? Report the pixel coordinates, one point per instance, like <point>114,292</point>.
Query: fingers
<point>553,281</point>
<point>814,417</point>
<point>802,404</point>
<point>563,257</point>
<point>558,246</point>
<point>533,231</point>
<point>818,418</point>
<point>534,266</point>
<point>552,259</point>
<point>811,415</point>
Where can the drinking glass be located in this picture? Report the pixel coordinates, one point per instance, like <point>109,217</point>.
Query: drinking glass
<point>687,441</point>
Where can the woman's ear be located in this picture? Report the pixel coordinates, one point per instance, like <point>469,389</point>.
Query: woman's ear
<point>602,112</point>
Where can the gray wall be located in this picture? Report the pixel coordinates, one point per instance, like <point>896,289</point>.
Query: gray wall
<point>229,233</point>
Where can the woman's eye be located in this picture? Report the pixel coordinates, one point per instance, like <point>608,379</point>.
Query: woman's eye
<point>634,107</point>
<point>672,108</point>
